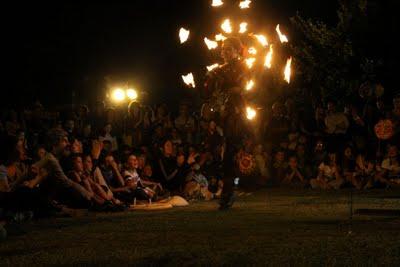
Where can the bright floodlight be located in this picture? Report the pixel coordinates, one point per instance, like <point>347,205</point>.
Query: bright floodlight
<point>131,94</point>
<point>118,95</point>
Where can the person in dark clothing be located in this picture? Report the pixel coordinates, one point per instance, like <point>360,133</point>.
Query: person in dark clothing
<point>172,171</point>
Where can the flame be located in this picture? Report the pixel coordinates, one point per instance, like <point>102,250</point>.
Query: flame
<point>216,3</point>
<point>220,37</point>
<point>189,80</point>
<point>268,58</point>
<point>262,39</point>
<point>214,66</point>
<point>245,4</point>
<point>251,113</point>
<point>282,37</point>
<point>249,85</point>
<point>252,51</point>
<point>226,26</point>
<point>184,35</point>
<point>243,27</point>
<point>250,62</point>
<point>210,44</point>
<point>288,70</point>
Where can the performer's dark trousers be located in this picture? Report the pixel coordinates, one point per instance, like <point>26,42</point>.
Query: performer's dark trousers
<point>229,168</point>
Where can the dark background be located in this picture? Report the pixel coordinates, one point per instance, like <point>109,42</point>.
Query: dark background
<point>58,53</point>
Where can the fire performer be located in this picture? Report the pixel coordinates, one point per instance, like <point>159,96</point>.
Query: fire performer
<point>224,87</point>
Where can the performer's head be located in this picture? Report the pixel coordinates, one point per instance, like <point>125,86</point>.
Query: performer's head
<point>232,48</point>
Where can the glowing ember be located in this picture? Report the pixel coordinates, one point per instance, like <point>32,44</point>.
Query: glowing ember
<point>243,27</point>
<point>262,39</point>
<point>268,58</point>
<point>226,26</point>
<point>245,4</point>
<point>249,85</point>
<point>210,44</point>
<point>216,3</point>
<point>288,70</point>
<point>183,35</point>
<point>250,62</point>
<point>282,37</point>
<point>250,113</point>
<point>220,37</point>
<point>189,80</point>
<point>212,67</point>
<point>252,51</point>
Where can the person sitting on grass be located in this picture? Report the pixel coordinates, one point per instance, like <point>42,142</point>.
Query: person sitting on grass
<point>329,174</point>
<point>294,176</point>
<point>390,174</point>
<point>279,166</point>
<point>115,181</point>
<point>365,171</point>
<point>349,168</point>
<point>144,188</point>
<point>97,181</point>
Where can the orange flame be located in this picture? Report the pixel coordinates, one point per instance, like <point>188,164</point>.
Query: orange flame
<point>268,58</point>
<point>249,85</point>
<point>212,67</point>
<point>252,51</point>
<point>245,4</point>
<point>183,35</point>
<point>217,3</point>
<point>262,39</point>
<point>189,80</point>
<point>282,37</point>
<point>243,27</point>
<point>250,62</point>
<point>210,44</point>
<point>288,70</point>
<point>220,37</point>
<point>226,26</point>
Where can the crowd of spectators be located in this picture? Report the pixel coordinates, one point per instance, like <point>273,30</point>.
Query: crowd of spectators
<point>105,158</point>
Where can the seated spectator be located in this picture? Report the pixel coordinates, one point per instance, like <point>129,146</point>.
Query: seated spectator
<point>172,171</point>
<point>115,181</point>
<point>147,188</point>
<point>391,167</point>
<point>294,176</point>
<point>329,174</point>
<point>366,173</point>
<point>196,186</point>
<point>279,166</point>
<point>349,168</point>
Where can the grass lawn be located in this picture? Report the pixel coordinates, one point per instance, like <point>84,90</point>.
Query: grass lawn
<point>271,227</point>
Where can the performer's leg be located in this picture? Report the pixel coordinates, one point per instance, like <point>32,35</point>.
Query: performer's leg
<point>227,197</point>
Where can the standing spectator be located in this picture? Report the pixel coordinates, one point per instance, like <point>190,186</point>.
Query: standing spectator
<point>185,124</point>
<point>108,136</point>
<point>336,126</point>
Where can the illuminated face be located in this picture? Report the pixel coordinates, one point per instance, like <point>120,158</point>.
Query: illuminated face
<point>228,52</point>
<point>148,171</point>
<point>168,148</point>
<point>78,164</point>
<point>392,153</point>
<point>332,157</point>
<point>133,162</point>
<point>88,164</point>
<point>280,156</point>
<point>293,163</point>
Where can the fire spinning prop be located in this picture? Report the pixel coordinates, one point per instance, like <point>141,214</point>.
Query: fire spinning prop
<point>258,55</point>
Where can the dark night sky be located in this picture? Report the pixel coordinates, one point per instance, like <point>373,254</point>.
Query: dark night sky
<point>55,49</point>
